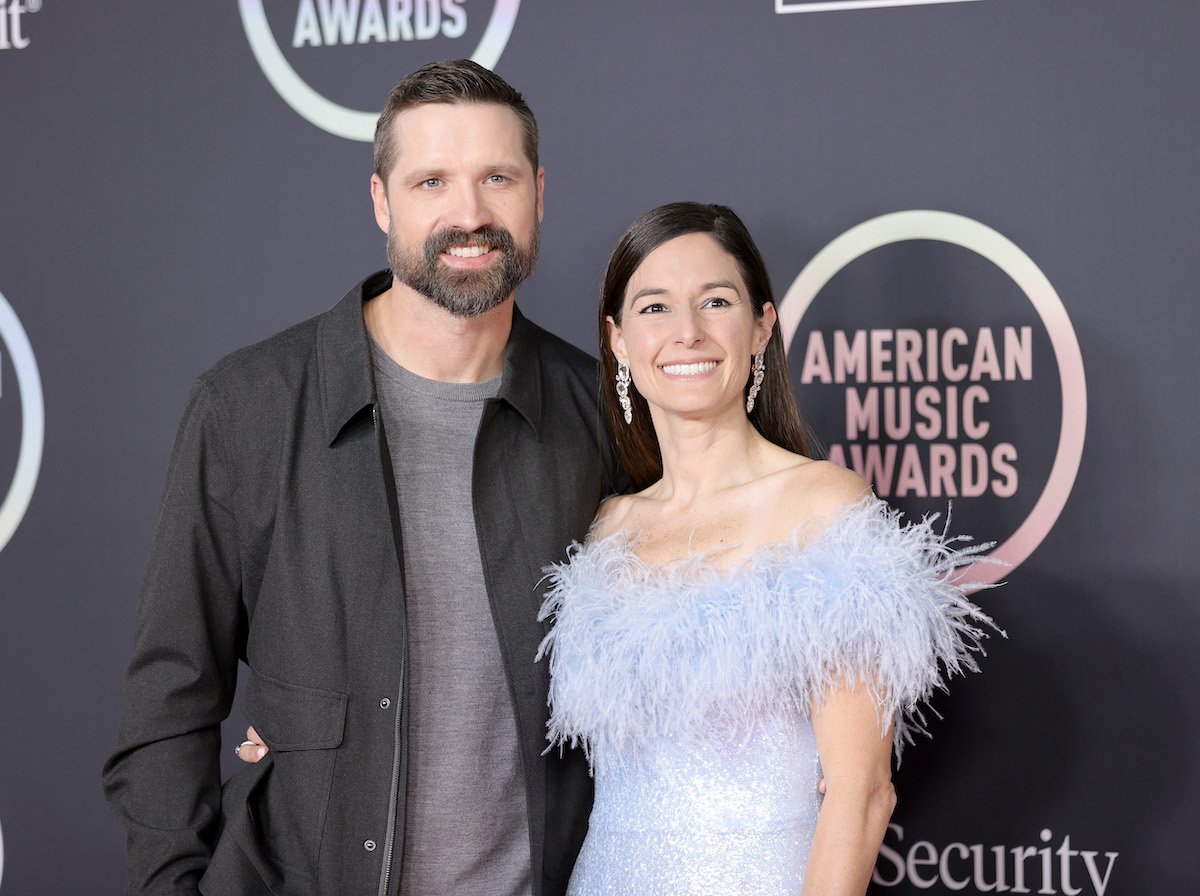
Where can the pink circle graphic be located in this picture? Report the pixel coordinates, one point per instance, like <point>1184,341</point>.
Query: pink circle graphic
<point>16,499</point>
<point>1012,260</point>
<point>334,117</point>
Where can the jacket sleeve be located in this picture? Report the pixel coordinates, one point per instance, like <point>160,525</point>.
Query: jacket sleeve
<point>163,779</point>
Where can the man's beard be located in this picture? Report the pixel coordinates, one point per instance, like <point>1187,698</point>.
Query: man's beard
<point>464,293</point>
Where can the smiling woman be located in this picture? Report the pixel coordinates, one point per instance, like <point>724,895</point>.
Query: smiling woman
<point>749,622</point>
<point>740,291</point>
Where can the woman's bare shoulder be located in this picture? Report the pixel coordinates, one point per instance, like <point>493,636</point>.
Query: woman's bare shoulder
<point>831,487</point>
<point>610,516</point>
<point>815,493</point>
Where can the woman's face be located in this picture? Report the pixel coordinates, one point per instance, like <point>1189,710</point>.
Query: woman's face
<point>688,329</point>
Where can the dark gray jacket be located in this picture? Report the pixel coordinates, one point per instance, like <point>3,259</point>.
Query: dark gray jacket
<point>278,544</point>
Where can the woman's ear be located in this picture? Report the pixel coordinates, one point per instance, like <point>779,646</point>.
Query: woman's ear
<point>763,326</point>
<point>616,341</point>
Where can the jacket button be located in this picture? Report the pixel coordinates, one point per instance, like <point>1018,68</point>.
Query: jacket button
<point>385,703</point>
<point>369,846</point>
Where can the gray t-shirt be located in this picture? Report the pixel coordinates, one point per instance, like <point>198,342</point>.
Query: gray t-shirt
<point>466,828</point>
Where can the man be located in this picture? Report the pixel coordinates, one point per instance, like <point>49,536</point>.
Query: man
<point>359,509</point>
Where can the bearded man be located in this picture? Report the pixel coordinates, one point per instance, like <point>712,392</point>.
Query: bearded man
<point>358,509</point>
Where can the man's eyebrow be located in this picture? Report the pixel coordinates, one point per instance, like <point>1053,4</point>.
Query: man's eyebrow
<point>421,174</point>
<point>441,172</point>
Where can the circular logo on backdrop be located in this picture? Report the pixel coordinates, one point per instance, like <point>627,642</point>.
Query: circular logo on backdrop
<point>22,421</point>
<point>324,46</point>
<point>938,362</point>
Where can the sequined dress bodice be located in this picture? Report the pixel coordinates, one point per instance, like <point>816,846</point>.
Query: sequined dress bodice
<point>705,815</point>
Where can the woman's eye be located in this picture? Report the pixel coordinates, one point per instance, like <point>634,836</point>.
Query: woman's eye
<point>653,308</point>
<point>717,302</point>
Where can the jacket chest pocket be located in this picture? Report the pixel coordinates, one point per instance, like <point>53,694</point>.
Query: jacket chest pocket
<point>303,727</point>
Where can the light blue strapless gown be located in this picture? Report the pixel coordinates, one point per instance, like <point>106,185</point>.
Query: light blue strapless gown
<point>690,690</point>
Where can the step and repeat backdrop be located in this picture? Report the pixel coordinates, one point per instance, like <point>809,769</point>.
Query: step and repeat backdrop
<point>980,217</point>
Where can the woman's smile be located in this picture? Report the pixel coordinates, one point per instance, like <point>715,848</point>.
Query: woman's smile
<point>691,370</point>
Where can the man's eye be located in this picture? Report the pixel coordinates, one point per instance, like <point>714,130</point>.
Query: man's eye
<point>497,179</point>
<point>431,183</point>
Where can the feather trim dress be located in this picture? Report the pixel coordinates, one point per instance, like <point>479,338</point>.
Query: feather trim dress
<point>690,690</point>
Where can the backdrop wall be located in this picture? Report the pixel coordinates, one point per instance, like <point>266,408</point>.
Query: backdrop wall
<point>982,215</point>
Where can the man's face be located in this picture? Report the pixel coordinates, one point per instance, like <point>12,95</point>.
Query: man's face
<point>461,205</point>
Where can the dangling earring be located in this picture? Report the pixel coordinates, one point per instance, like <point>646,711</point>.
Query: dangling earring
<point>760,370</point>
<point>623,391</point>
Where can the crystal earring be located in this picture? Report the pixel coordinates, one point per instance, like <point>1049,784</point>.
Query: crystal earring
<point>623,381</point>
<point>759,368</point>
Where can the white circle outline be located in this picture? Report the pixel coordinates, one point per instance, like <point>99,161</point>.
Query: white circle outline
<point>326,114</point>
<point>920,224</point>
<point>33,423</point>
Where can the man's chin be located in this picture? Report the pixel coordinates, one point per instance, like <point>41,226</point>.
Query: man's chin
<point>468,306</point>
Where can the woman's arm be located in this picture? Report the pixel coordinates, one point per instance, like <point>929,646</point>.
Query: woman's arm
<point>856,760</point>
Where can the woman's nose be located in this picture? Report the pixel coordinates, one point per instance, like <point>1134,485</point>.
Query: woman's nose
<point>688,332</point>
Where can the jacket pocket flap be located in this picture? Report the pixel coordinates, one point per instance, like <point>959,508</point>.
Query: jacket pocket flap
<point>293,717</point>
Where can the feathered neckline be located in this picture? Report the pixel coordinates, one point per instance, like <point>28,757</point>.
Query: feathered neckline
<point>639,651</point>
<point>701,568</point>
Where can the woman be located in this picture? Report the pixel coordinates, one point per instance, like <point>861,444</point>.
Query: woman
<point>750,620</point>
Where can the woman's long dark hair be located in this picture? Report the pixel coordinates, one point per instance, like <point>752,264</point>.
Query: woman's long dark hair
<point>775,413</point>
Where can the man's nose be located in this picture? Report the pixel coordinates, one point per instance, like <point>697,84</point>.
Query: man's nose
<point>468,209</point>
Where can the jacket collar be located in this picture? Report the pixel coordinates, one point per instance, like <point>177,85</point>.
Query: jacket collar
<point>344,362</point>
<point>344,356</point>
<point>521,382</point>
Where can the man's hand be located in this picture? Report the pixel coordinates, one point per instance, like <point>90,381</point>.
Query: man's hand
<point>252,748</point>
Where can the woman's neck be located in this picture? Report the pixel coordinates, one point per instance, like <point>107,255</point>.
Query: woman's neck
<point>702,457</point>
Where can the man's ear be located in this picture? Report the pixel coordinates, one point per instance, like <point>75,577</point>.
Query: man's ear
<point>379,203</point>
<point>541,192</point>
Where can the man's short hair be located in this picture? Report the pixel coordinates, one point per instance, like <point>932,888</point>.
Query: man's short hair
<point>450,81</point>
